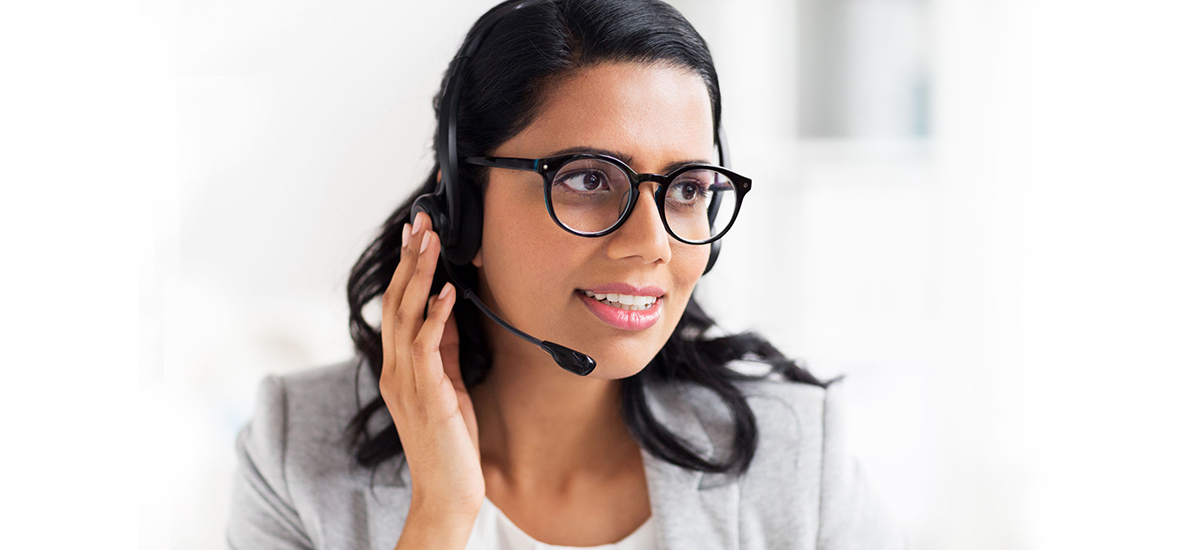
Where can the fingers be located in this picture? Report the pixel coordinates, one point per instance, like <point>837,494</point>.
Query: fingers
<point>391,299</point>
<point>395,290</point>
<point>410,313</point>
<point>399,325</point>
<point>448,347</point>
<point>426,347</point>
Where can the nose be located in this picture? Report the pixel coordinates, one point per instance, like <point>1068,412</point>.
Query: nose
<point>643,235</point>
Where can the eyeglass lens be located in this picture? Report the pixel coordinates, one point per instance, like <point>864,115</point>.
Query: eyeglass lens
<point>589,196</point>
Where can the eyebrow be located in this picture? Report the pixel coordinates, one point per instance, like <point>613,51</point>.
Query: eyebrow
<point>623,157</point>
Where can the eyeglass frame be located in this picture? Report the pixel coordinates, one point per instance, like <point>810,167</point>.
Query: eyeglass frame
<point>549,167</point>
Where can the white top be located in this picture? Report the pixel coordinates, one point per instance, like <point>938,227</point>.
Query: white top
<point>494,531</point>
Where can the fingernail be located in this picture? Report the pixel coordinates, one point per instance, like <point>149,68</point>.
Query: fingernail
<point>425,242</point>
<point>405,234</point>
<point>445,292</point>
<point>416,224</point>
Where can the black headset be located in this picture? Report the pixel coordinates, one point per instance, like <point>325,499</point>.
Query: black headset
<point>456,210</point>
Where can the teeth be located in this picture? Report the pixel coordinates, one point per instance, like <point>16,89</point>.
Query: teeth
<point>624,301</point>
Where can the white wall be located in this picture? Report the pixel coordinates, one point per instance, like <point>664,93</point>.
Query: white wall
<point>1012,297</point>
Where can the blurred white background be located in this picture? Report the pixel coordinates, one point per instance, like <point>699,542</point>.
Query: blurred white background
<point>982,211</point>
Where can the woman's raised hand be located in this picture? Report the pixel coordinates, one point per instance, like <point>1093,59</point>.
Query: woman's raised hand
<point>423,388</point>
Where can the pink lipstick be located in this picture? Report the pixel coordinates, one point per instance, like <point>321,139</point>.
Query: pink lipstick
<point>624,307</point>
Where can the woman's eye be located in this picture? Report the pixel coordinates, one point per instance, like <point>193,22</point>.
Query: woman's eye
<point>585,181</point>
<point>686,192</point>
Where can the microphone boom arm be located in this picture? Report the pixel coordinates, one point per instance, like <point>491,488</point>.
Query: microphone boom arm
<point>567,358</point>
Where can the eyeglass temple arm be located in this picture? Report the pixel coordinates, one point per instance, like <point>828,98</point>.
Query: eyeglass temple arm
<point>531,165</point>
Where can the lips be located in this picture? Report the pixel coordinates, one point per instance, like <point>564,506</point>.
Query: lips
<point>618,317</point>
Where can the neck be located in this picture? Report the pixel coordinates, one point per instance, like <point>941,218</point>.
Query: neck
<point>542,428</point>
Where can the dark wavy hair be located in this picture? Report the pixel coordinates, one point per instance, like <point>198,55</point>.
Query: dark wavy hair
<point>519,60</point>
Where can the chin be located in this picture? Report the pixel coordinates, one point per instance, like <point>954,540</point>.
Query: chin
<point>624,355</point>
<point>618,353</point>
<point>614,366</point>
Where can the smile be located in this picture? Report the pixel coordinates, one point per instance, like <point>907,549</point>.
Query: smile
<point>627,302</point>
<point>623,311</point>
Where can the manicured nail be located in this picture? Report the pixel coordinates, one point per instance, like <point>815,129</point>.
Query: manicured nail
<point>445,292</point>
<point>405,234</point>
<point>425,242</point>
<point>416,224</point>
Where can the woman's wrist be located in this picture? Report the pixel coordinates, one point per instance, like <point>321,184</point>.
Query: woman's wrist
<point>433,503</point>
<point>436,528</point>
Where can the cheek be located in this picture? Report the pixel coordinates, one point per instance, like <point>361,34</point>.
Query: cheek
<point>688,263</point>
<point>523,252</point>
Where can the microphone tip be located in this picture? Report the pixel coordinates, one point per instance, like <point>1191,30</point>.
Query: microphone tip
<point>570,359</point>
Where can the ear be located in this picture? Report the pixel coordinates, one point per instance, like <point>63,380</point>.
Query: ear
<point>439,175</point>
<point>477,261</point>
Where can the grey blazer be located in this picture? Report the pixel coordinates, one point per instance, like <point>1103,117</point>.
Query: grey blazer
<point>298,487</point>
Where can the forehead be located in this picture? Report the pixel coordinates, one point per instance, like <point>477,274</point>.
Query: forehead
<point>655,113</point>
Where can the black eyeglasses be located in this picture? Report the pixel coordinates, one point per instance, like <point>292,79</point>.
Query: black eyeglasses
<point>591,195</point>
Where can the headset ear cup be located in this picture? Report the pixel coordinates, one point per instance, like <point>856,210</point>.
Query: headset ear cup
<point>712,256</point>
<point>432,204</point>
<point>459,244</point>
<point>470,227</point>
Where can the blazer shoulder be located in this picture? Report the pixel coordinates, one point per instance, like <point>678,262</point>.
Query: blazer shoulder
<point>783,410</point>
<point>327,393</point>
<point>298,419</point>
<point>839,498</point>
<point>305,415</point>
<point>299,474</point>
<point>319,404</point>
<point>787,407</point>
<point>790,418</point>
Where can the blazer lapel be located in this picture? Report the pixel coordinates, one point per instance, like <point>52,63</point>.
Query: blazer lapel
<point>694,510</point>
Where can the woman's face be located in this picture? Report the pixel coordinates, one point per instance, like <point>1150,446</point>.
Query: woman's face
<point>535,274</point>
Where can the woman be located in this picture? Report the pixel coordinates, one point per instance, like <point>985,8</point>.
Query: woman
<point>555,118</point>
